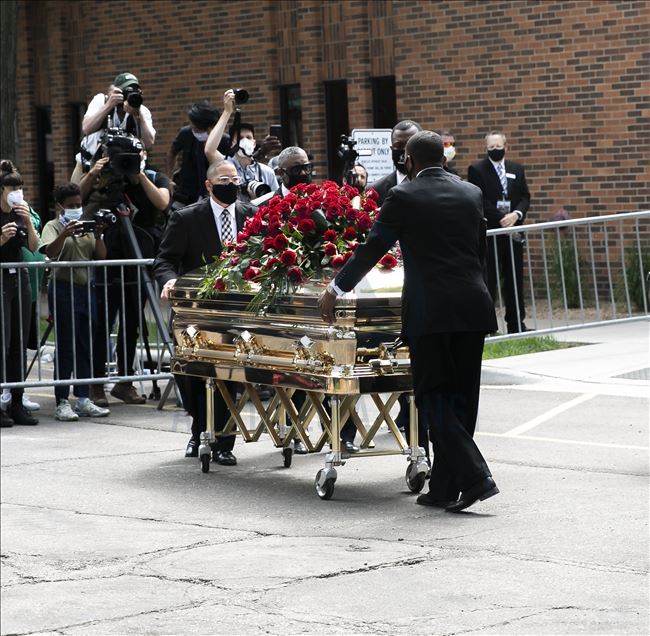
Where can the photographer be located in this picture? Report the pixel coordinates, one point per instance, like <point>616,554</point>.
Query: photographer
<point>121,182</point>
<point>17,232</point>
<point>358,176</point>
<point>256,178</point>
<point>189,178</point>
<point>71,298</point>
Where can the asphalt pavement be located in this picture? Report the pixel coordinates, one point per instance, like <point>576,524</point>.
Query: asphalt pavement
<point>108,529</point>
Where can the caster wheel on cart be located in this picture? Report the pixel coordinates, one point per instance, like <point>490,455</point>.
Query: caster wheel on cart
<point>326,489</point>
<point>415,480</point>
<point>287,453</point>
<point>205,463</point>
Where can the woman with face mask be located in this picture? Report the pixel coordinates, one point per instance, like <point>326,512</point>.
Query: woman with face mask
<point>18,232</point>
<point>71,299</point>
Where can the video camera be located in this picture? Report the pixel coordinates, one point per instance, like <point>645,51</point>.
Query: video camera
<point>133,96</point>
<point>100,217</point>
<point>123,149</point>
<point>346,151</point>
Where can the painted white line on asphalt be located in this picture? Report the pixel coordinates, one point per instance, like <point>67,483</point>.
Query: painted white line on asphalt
<point>557,440</point>
<point>544,417</point>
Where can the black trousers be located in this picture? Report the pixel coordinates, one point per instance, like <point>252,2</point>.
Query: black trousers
<point>503,264</point>
<point>447,378</point>
<point>15,320</point>
<point>348,430</point>
<point>193,393</point>
<point>403,420</point>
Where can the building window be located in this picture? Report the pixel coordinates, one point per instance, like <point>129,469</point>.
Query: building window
<point>45,162</point>
<point>384,101</point>
<point>291,115</point>
<point>336,115</point>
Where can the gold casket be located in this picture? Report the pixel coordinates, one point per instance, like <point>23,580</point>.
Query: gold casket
<point>288,347</point>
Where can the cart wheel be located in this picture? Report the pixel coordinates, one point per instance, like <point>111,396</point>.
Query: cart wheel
<point>287,453</point>
<point>205,463</point>
<point>327,489</point>
<point>415,480</point>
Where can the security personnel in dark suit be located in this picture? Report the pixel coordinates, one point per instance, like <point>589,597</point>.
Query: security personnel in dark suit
<point>505,202</point>
<point>402,132</point>
<point>194,235</point>
<point>446,311</point>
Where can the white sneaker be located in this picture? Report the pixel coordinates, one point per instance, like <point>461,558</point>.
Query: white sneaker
<point>64,412</point>
<point>88,409</point>
<point>29,404</point>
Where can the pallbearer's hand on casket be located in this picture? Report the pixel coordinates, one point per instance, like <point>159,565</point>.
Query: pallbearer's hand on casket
<point>326,304</point>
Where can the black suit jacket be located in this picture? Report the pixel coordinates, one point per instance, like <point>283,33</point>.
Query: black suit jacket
<point>483,175</point>
<point>438,220</point>
<point>191,239</point>
<point>384,185</point>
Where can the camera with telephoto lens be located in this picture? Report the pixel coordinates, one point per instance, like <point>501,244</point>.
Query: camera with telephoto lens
<point>241,95</point>
<point>133,96</point>
<point>123,150</point>
<point>104,217</point>
<point>21,230</point>
<point>255,189</point>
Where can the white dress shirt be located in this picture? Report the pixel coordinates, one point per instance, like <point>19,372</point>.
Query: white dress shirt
<point>217,210</point>
<point>400,176</point>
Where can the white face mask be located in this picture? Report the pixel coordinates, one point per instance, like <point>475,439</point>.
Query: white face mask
<point>450,153</point>
<point>246,147</point>
<point>200,136</point>
<point>14,198</point>
<point>73,214</point>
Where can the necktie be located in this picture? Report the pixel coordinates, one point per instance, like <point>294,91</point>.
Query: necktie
<point>226,227</point>
<point>501,171</point>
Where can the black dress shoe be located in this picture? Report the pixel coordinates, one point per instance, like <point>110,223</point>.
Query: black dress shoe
<point>485,489</point>
<point>349,447</point>
<point>299,448</point>
<point>5,420</point>
<point>21,416</point>
<point>428,500</point>
<point>225,458</point>
<point>192,449</point>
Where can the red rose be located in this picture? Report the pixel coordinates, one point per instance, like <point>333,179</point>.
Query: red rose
<point>272,262</point>
<point>306,226</point>
<point>219,285</point>
<point>364,221</point>
<point>337,261</point>
<point>329,249</point>
<point>234,260</point>
<point>294,274</point>
<point>388,261</point>
<point>288,257</point>
<point>243,236</point>
<point>369,205</point>
<point>241,247</point>
<point>352,245</point>
<point>347,256</point>
<point>372,194</point>
<point>255,262</point>
<point>349,234</point>
<point>280,242</point>
<point>352,214</point>
<point>267,243</point>
<point>330,235</point>
<point>252,273</point>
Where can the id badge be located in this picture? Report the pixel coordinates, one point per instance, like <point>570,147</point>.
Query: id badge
<point>503,206</point>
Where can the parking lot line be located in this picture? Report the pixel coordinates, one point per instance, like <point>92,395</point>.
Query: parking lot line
<point>544,417</point>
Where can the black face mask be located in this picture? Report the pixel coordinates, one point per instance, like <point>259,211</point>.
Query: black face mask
<point>398,160</point>
<point>294,180</point>
<point>496,154</point>
<point>225,193</point>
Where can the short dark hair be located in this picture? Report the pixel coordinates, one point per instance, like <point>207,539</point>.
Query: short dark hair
<point>203,114</point>
<point>9,175</point>
<point>425,148</point>
<point>360,165</point>
<point>65,190</point>
<point>445,133</point>
<point>245,125</point>
<point>405,124</point>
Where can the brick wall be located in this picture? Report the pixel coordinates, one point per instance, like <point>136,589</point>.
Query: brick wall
<point>567,81</point>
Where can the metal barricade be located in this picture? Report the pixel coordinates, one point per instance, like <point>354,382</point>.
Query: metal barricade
<point>577,273</point>
<point>112,293</point>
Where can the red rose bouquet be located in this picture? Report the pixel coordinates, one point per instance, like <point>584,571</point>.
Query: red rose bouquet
<point>292,237</point>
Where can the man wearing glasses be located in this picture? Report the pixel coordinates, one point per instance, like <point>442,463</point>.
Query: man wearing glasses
<point>193,237</point>
<point>293,168</point>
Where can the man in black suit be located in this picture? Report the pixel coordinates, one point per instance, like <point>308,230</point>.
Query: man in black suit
<point>402,132</point>
<point>193,237</point>
<point>446,311</point>
<point>505,202</point>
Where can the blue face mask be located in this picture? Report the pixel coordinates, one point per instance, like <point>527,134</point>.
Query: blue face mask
<point>73,214</point>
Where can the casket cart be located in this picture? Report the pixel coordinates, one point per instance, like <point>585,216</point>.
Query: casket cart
<point>289,348</point>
